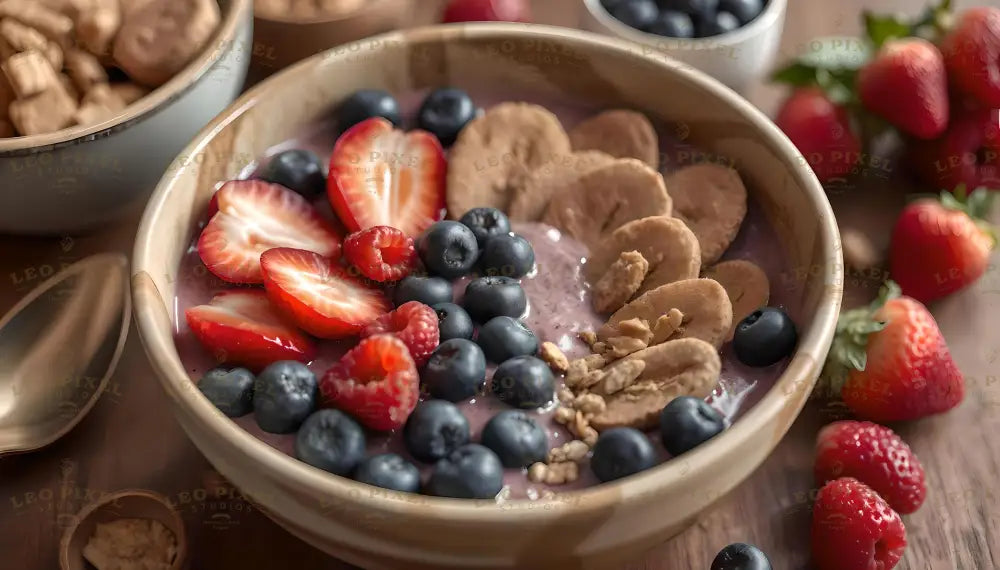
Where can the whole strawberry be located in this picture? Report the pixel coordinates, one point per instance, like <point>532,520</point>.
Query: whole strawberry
<point>874,455</point>
<point>889,362</point>
<point>940,247</point>
<point>906,84</point>
<point>967,153</point>
<point>972,54</point>
<point>855,529</point>
<point>821,130</point>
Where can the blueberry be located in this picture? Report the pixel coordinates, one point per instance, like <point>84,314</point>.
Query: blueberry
<point>672,24</point>
<point>389,471</point>
<point>620,452</point>
<point>509,255</point>
<point>445,112</point>
<point>744,10</point>
<point>517,439</point>
<point>486,223</point>
<point>523,382</point>
<point>448,249</point>
<point>765,337</point>
<point>470,472</point>
<point>687,422</point>
<point>284,395</point>
<point>610,5</point>
<point>427,290</point>
<point>229,390</point>
<point>638,14</point>
<point>368,103</point>
<point>721,23</point>
<point>502,338</point>
<point>453,322</point>
<point>488,297</point>
<point>332,441</point>
<point>298,170</point>
<point>695,8</point>
<point>740,556</point>
<point>455,371</point>
<point>435,429</point>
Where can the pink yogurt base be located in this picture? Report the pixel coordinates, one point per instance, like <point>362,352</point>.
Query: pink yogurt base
<point>559,308</point>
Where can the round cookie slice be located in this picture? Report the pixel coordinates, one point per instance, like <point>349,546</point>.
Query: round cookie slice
<point>712,201</point>
<point>746,284</point>
<point>620,133</point>
<point>494,154</point>
<point>607,198</point>
<point>531,198</point>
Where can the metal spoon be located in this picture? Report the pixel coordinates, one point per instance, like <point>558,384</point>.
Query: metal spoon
<point>58,348</point>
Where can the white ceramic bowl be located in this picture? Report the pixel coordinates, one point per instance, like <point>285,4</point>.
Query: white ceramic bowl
<point>79,178</point>
<point>736,58</point>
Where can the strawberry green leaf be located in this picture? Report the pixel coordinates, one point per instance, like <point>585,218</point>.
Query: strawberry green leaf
<point>796,75</point>
<point>880,28</point>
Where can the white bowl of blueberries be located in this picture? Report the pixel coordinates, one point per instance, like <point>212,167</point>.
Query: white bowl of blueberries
<point>734,41</point>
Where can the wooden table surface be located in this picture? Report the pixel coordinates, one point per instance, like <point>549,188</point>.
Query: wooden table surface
<point>131,440</point>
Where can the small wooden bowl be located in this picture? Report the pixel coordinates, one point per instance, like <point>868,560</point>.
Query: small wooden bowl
<point>126,504</point>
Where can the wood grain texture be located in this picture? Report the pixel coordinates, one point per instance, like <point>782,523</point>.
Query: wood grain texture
<point>131,440</point>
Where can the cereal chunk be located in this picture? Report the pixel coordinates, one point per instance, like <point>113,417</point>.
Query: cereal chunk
<point>46,112</point>
<point>21,37</point>
<point>85,70</point>
<point>636,328</point>
<point>620,133</point>
<point>554,357</point>
<point>589,337</point>
<point>712,201</point>
<point>620,282</point>
<point>532,197</point>
<point>52,24</point>
<point>101,94</point>
<point>589,403</point>
<point>574,450</point>
<point>618,376</point>
<point>29,73</point>
<point>127,92</point>
<point>746,284</point>
<point>96,28</point>
<point>666,326</point>
<point>622,346</point>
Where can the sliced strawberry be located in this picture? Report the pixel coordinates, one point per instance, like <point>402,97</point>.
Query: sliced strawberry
<point>415,324</point>
<point>376,382</point>
<point>240,327</point>
<point>381,176</point>
<point>319,295</point>
<point>253,217</point>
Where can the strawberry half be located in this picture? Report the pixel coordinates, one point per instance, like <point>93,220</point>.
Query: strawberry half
<point>382,176</point>
<point>319,295</point>
<point>255,216</point>
<point>240,327</point>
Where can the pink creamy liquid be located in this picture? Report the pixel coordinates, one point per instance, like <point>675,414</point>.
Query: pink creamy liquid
<point>559,308</point>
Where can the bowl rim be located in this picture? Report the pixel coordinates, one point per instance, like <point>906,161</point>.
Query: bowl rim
<point>366,8</point>
<point>223,39</point>
<point>766,19</point>
<point>162,351</point>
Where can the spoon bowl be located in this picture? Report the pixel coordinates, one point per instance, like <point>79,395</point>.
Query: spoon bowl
<point>58,347</point>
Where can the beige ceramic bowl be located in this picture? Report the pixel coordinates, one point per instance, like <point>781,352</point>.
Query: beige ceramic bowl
<point>279,41</point>
<point>79,178</point>
<point>600,527</point>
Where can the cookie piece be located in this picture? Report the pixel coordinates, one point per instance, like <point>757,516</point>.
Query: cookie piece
<point>607,198</point>
<point>712,201</point>
<point>494,154</point>
<point>531,198</point>
<point>160,38</point>
<point>682,367</point>
<point>669,246</point>
<point>620,281</point>
<point>620,133</point>
<point>704,304</point>
<point>746,284</point>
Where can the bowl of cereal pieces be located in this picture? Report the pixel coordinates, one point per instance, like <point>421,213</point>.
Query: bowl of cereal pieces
<point>466,309</point>
<point>287,31</point>
<point>98,96</point>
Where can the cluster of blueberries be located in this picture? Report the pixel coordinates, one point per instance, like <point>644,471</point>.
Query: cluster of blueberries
<point>684,18</point>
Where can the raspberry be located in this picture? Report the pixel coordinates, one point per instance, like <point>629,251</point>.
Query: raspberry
<point>874,455</point>
<point>855,529</point>
<point>415,324</point>
<point>381,253</point>
<point>376,382</point>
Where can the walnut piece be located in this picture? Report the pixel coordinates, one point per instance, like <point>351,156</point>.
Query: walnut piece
<point>620,282</point>
<point>554,357</point>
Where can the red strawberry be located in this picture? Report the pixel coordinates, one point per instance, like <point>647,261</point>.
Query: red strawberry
<point>939,248</point>
<point>255,216</point>
<point>376,382</point>
<point>487,11</point>
<point>889,361</point>
<point>213,206</point>
<point>972,54</point>
<point>415,324</point>
<point>906,84</point>
<point>240,327</point>
<point>381,176</point>
<point>821,131</point>
<point>381,253</point>
<point>874,455</point>
<point>319,295</point>
<point>968,153</point>
<point>855,529</point>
